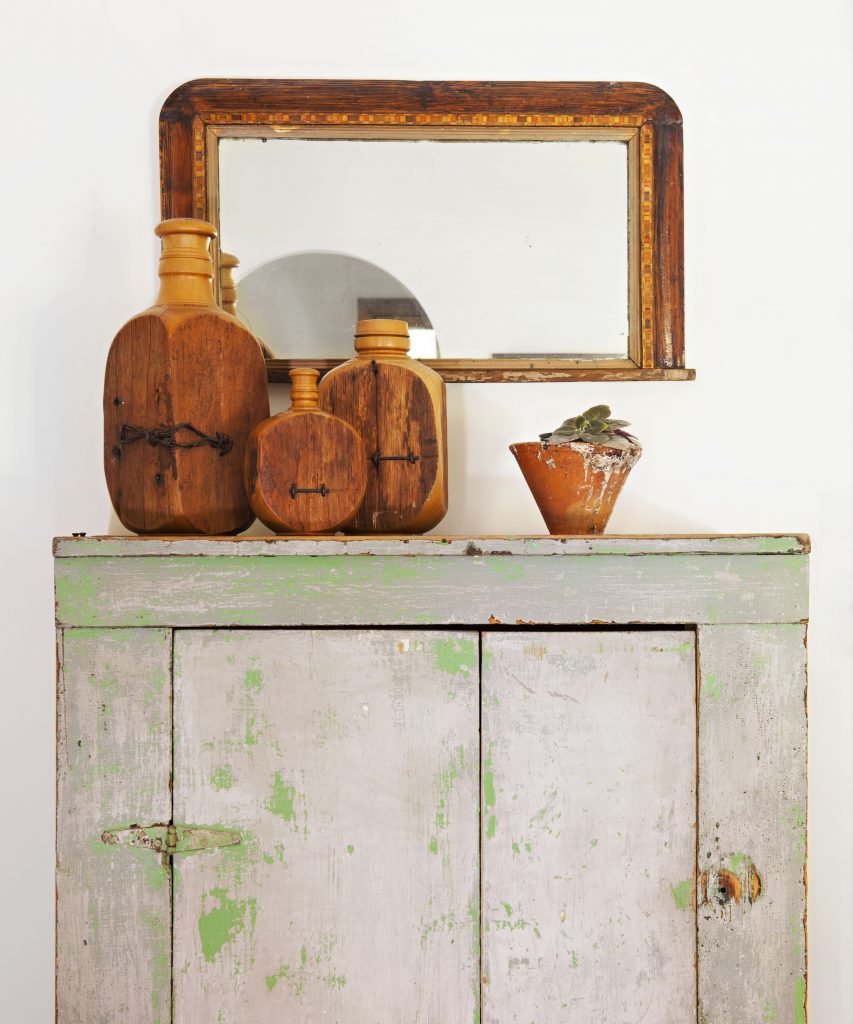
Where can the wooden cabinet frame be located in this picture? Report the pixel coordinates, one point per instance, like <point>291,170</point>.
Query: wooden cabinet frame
<point>119,601</point>
<point>201,112</point>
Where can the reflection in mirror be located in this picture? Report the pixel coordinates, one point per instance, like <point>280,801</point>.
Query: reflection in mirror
<point>514,249</point>
<point>309,302</point>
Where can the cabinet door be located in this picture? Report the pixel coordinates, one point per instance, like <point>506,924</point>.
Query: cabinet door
<point>350,763</point>
<point>589,827</point>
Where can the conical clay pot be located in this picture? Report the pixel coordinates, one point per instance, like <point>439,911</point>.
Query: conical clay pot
<point>575,484</point>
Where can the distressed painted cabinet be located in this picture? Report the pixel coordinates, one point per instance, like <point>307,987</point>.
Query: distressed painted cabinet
<point>432,781</point>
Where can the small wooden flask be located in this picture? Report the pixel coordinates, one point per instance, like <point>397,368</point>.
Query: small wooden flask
<point>185,384</point>
<point>305,470</point>
<point>398,406</point>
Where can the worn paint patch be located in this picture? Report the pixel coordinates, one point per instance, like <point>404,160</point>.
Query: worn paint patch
<point>800,1001</point>
<point>456,655</point>
<point>350,849</point>
<point>253,679</point>
<point>223,923</point>
<point>282,803</point>
<point>222,777</point>
<point>710,686</point>
<point>681,894</point>
<point>489,794</point>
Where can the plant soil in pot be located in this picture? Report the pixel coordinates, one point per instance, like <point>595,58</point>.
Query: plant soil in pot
<point>576,472</point>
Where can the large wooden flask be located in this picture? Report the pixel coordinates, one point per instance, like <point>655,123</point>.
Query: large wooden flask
<point>398,406</point>
<point>185,385</point>
<point>306,471</point>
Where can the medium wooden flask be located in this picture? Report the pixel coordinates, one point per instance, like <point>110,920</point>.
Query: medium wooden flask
<point>306,471</point>
<point>398,406</point>
<point>185,384</point>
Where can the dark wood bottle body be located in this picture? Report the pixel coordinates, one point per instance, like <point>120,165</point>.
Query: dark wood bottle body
<point>168,367</point>
<point>398,406</point>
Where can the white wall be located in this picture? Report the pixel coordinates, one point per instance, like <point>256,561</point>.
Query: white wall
<point>760,442</point>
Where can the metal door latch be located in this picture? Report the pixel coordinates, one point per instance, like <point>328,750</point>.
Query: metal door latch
<point>171,839</point>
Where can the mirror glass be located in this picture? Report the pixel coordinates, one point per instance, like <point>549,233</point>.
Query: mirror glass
<point>489,249</point>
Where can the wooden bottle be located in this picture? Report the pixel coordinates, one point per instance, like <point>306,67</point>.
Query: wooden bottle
<point>305,471</point>
<point>398,406</point>
<point>228,262</point>
<point>185,384</point>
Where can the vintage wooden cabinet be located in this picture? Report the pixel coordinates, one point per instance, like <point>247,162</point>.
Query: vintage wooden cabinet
<point>432,780</point>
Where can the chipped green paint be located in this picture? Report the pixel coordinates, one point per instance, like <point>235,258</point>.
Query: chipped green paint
<point>489,793</point>
<point>350,849</point>
<point>681,894</point>
<point>476,924</point>
<point>433,844</point>
<point>573,960</point>
<point>507,568</point>
<point>737,861</point>
<point>770,1014</point>
<point>798,821</point>
<point>593,842</point>
<point>251,736</point>
<point>456,655</point>
<point>444,923</point>
<point>507,909</point>
<point>222,777</point>
<point>223,923</point>
<point>711,687</point>
<point>268,859</point>
<point>282,803</point>
<point>253,679</point>
<point>800,1001</point>
<point>273,979</point>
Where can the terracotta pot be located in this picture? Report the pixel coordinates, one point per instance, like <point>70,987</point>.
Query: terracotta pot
<point>575,484</point>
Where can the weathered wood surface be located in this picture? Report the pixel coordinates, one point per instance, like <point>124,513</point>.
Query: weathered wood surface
<point>395,590</point>
<point>717,544</point>
<point>752,811</point>
<point>589,757</point>
<point>114,759</point>
<point>350,762</point>
<point>398,406</point>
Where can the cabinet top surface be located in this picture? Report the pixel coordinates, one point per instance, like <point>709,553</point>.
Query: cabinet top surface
<point>716,544</point>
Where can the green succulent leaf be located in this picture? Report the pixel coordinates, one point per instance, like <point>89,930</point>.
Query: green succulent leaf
<point>597,412</point>
<point>615,441</point>
<point>594,426</point>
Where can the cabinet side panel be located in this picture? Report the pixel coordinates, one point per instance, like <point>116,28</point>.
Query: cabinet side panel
<point>113,762</point>
<point>752,824</point>
<point>349,762</point>
<point>589,816</point>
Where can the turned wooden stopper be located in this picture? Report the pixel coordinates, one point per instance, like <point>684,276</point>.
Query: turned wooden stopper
<point>382,337</point>
<point>227,285</point>
<point>303,389</point>
<point>186,266</point>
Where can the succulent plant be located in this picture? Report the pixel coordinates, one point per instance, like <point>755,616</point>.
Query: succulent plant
<point>595,426</point>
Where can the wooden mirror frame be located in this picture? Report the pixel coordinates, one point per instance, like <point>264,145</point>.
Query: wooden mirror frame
<point>200,113</point>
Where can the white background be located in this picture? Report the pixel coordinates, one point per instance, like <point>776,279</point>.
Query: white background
<point>760,442</point>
